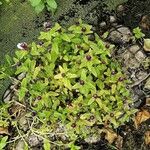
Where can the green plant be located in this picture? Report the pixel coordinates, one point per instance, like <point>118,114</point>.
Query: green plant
<point>138,33</point>
<point>71,86</point>
<point>2,1</point>
<point>39,5</point>
<point>3,142</point>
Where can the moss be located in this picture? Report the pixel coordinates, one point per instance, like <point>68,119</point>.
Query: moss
<point>18,22</point>
<point>76,9</point>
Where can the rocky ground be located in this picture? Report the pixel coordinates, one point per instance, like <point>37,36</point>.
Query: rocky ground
<point>134,58</point>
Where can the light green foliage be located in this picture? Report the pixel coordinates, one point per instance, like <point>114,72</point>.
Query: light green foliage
<point>2,1</point>
<point>39,5</point>
<point>3,143</point>
<point>71,83</point>
<point>138,33</point>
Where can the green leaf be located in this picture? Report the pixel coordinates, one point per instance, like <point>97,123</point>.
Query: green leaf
<point>93,71</point>
<point>58,76</point>
<point>39,8</point>
<point>70,75</point>
<point>47,145</point>
<point>83,74</point>
<point>3,142</point>
<point>67,83</point>
<point>36,72</point>
<point>91,101</point>
<point>65,37</point>
<point>34,50</point>
<point>21,93</point>
<point>21,53</point>
<point>113,88</point>
<point>35,2</point>
<point>52,3</point>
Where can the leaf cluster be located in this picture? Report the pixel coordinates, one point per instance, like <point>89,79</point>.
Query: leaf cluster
<point>138,33</point>
<point>71,85</point>
<point>39,5</point>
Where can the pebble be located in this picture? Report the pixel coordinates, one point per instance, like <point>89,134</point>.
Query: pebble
<point>7,96</point>
<point>103,24</point>
<point>21,76</point>
<point>20,145</point>
<point>134,48</point>
<point>140,56</point>
<point>121,35</point>
<point>34,140</point>
<point>147,45</point>
<point>147,84</point>
<point>112,19</point>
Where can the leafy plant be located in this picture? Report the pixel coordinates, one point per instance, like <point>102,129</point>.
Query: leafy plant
<point>71,86</point>
<point>138,33</point>
<point>2,1</point>
<point>39,5</point>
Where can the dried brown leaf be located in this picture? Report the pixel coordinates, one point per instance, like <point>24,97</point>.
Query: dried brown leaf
<point>119,142</point>
<point>110,136</point>
<point>147,138</point>
<point>4,130</point>
<point>141,117</point>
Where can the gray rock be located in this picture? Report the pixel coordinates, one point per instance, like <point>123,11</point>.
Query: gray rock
<point>132,63</point>
<point>7,96</point>
<point>20,145</point>
<point>141,75</point>
<point>134,48</point>
<point>34,140</point>
<point>103,24</point>
<point>147,84</point>
<point>121,35</point>
<point>140,56</point>
<point>112,19</point>
<point>21,76</point>
<point>93,138</point>
<point>23,123</point>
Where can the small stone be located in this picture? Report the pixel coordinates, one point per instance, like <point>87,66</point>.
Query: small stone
<point>21,76</point>
<point>140,56</point>
<point>120,36</point>
<point>47,24</point>
<point>23,124</point>
<point>147,85</point>
<point>148,101</point>
<point>147,45</point>
<point>127,55</point>
<point>140,75</point>
<point>34,140</point>
<point>92,138</point>
<point>133,63</point>
<point>145,22</point>
<point>112,19</point>
<point>20,145</point>
<point>120,8</point>
<point>103,24</point>
<point>7,96</point>
<point>137,103</point>
<point>134,48</point>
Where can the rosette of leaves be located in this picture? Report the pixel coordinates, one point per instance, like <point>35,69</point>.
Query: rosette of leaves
<point>72,85</point>
<point>39,5</point>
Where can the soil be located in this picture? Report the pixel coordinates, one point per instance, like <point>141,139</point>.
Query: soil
<point>28,25</point>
